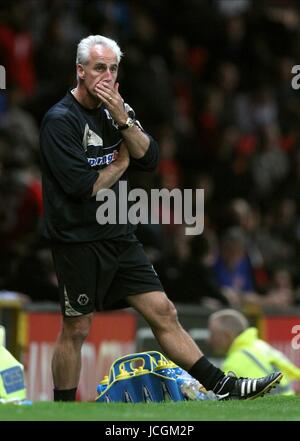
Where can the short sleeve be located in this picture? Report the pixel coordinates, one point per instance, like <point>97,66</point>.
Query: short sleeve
<point>63,154</point>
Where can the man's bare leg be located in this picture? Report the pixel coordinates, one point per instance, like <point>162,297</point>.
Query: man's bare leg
<point>66,362</point>
<point>161,315</point>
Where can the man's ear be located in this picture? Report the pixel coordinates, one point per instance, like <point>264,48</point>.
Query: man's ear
<point>80,71</point>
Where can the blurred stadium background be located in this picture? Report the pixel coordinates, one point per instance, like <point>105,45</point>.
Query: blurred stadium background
<point>211,80</point>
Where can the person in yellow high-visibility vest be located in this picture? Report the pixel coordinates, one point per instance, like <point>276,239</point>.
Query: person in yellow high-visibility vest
<point>12,387</point>
<point>245,353</point>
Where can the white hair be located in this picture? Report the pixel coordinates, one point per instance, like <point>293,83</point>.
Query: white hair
<point>231,320</point>
<point>84,46</point>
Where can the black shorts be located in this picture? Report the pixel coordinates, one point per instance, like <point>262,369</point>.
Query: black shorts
<point>100,275</point>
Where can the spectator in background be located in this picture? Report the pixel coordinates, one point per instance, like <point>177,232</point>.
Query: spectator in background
<point>232,267</point>
<point>270,163</point>
<point>16,46</point>
<point>246,354</point>
<point>20,203</point>
<point>196,282</point>
<point>281,291</point>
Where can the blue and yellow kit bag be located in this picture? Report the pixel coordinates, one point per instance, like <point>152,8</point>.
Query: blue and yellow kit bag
<point>141,377</point>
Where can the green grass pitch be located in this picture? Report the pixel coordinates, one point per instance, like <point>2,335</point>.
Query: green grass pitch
<point>272,408</point>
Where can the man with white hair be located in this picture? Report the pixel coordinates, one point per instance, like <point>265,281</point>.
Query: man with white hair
<point>88,141</point>
<point>245,353</point>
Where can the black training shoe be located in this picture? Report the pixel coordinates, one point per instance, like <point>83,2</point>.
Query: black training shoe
<point>247,388</point>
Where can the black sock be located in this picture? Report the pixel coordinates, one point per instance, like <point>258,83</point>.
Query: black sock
<point>65,394</point>
<point>206,373</point>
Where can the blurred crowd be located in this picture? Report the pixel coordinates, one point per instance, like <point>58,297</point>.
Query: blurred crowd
<point>211,81</point>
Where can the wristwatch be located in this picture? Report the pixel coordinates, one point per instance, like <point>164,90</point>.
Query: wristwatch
<point>129,123</point>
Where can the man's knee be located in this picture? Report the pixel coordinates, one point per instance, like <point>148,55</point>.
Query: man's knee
<point>77,328</point>
<point>164,312</point>
<point>169,309</point>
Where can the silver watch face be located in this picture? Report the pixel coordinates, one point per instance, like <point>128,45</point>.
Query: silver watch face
<point>130,122</point>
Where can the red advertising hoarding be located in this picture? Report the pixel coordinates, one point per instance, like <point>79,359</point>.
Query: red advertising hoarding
<point>112,336</point>
<point>283,332</point>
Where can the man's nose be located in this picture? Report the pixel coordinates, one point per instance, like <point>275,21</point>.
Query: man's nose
<point>108,74</point>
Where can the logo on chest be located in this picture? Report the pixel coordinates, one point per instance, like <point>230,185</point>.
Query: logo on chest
<point>91,138</point>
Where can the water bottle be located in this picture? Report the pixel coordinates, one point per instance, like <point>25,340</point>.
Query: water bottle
<point>190,389</point>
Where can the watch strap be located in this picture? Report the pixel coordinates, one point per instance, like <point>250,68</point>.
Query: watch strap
<point>129,123</point>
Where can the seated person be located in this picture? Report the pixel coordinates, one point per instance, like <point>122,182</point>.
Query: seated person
<point>246,354</point>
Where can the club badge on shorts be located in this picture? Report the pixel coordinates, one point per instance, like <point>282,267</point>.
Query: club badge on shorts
<point>82,299</point>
